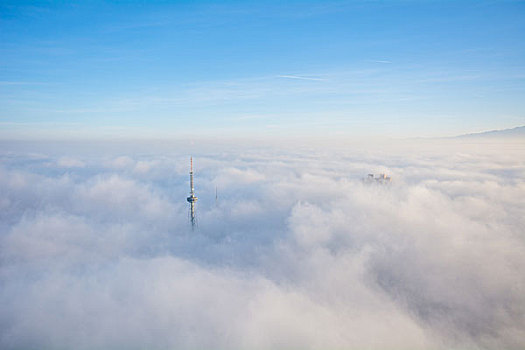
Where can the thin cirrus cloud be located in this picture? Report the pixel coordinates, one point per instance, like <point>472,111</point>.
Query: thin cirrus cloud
<point>296,251</point>
<point>300,77</point>
<point>367,96</point>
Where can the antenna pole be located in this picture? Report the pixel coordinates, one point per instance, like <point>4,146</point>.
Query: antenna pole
<point>192,199</point>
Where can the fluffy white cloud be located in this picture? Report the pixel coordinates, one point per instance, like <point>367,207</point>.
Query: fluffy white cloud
<point>297,252</point>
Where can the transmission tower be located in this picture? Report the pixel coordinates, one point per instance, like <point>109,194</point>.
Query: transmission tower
<point>192,199</point>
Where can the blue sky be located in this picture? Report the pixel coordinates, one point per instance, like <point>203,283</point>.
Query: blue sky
<point>396,68</point>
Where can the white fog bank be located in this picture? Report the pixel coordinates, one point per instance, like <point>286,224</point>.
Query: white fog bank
<point>296,251</point>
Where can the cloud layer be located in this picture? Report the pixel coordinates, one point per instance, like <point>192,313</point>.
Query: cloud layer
<point>296,252</point>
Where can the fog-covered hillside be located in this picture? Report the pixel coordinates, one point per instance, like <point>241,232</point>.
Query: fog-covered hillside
<point>517,132</point>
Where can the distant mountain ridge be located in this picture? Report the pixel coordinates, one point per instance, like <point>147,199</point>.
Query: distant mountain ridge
<point>518,131</point>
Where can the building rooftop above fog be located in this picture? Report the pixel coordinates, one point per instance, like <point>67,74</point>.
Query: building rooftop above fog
<point>381,178</point>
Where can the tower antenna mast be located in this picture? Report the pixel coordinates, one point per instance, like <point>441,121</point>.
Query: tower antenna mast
<point>192,199</point>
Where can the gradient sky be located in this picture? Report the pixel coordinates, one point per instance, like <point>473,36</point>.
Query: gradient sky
<point>396,68</point>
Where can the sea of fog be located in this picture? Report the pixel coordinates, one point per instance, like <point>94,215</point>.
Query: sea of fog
<point>292,249</point>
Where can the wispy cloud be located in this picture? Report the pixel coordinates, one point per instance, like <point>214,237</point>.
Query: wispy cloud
<point>12,83</point>
<point>300,77</point>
